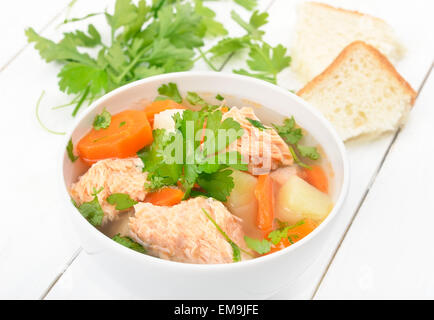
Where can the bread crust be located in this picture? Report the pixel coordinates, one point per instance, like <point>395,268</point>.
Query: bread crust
<point>384,62</point>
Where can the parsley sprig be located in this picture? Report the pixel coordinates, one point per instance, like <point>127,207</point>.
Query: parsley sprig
<point>265,61</point>
<point>274,237</point>
<point>92,210</point>
<point>149,39</point>
<point>201,162</point>
<point>292,134</point>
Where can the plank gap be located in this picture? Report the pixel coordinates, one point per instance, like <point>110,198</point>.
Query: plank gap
<point>57,278</point>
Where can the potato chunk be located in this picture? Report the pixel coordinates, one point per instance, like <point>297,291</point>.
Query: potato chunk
<point>297,199</point>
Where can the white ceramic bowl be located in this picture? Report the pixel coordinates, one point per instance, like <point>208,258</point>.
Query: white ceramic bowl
<point>150,277</point>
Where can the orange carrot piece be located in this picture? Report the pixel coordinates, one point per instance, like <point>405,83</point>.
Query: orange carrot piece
<point>160,105</point>
<point>129,131</point>
<point>294,235</point>
<point>165,197</point>
<point>316,177</point>
<point>264,195</point>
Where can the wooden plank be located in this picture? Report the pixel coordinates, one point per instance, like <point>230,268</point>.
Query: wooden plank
<point>15,16</point>
<point>388,252</point>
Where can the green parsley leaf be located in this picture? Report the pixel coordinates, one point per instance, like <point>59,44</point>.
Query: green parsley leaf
<point>247,4</point>
<point>70,151</point>
<point>236,251</point>
<point>122,200</point>
<point>277,235</point>
<point>51,51</point>
<point>170,91</point>
<point>217,185</point>
<point>260,76</point>
<point>210,27</point>
<point>252,27</point>
<point>103,120</point>
<point>292,135</point>
<point>195,99</point>
<point>219,97</point>
<point>92,210</point>
<point>308,152</point>
<point>260,246</point>
<point>267,60</point>
<point>122,124</point>
<point>81,39</point>
<point>162,171</point>
<point>229,46</point>
<point>77,77</point>
<point>129,243</point>
<point>257,124</point>
<point>289,133</point>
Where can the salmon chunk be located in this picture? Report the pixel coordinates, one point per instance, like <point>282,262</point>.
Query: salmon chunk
<point>184,233</point>
<point>264,150</point>
<point>114,176</point>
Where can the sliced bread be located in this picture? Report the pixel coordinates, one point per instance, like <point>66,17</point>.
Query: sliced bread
<point>361,93</point>
<point>322,31</point>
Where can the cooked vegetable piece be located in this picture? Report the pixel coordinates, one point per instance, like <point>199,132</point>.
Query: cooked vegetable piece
<point>264,195</point>
<point>117,141</point>
<point>243,192</point>
<point>316,177</point>
<point>242,201</point>
<point>300,198</point>
<point>294,234</point>
<point>164,120</point>
<point>165,197</point>
<point>160,105</point>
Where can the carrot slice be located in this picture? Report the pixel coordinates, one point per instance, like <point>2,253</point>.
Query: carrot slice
<point>316,177</point>
<point>165,197</point>
<point>160,105</point>
<point>129,131</point>
<point>264,195</point>
<point>295,234</point>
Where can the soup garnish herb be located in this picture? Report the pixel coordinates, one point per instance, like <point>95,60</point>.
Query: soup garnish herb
<point>122,200</point>
<point>129,243</point>
<point>274,237</point>
<point>292,135</point>
<point>257,124</point>
<point>102,120</point>
<point>213,177</point>
<point>236,250</point>
<point>92,210</point>
<point>260,246</point>
<point>70,151</point>
<point>219,97</point>
<point>170,91</point>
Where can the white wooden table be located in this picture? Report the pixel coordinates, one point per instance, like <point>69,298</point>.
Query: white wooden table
<point>381,244</point>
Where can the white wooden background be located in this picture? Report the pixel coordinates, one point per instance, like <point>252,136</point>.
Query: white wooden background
<point>381,242</point>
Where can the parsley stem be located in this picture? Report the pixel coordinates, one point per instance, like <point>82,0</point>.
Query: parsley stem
<point>131,65</point>
<point>83,97</point>
<point>39,119</point>
<point>296,159</point>
<point>208,62</point>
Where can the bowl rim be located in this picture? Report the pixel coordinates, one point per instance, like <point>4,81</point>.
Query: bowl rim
<point>178,76</point>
